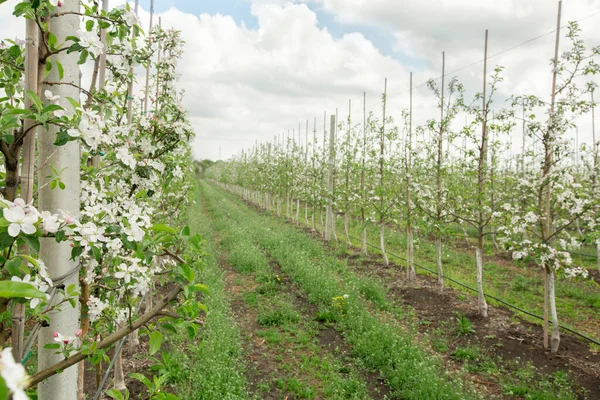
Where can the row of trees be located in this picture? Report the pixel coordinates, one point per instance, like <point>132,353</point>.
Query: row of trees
<point>444,174</point>
<point>92,220</point>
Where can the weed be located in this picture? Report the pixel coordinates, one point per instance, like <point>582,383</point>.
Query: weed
<point>466,353</point>
<point>282,315</point>
<point>464,326</point>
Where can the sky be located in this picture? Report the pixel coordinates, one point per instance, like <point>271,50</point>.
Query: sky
<point>253,69</point>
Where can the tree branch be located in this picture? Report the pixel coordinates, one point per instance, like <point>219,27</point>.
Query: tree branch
<point>110,340</point>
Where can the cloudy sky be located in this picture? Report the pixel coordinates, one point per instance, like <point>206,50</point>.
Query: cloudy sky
<point>256,68</point>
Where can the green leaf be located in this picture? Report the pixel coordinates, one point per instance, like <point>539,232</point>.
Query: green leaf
<point>61,70</point>
<point>83,57</point>
<point>155,342</point>
<point>76,252</point>
<point>3,388</point>
<point>51,39</point>
<point>13,266</point>
<point>186,272</point>
<point>169,327</point>
<point>5,240</point>
<point>115,394</point>
<point>163,228</point>
<point>14,51</point>
<point>35,100</point>
<point>89,25</point>
<point>33,242</point>
<point>52,346</point>
<point>10,289</point>
<point>62,138</point>
<point>186,231</point>
<point>201,288</point>
<point>192,331</point>
<point>48,67</point>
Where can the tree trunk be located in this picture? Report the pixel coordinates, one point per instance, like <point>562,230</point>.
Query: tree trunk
<point>347,229</point>
<point>438,250</point>
<point>382,243</point>
<point>482,304</point>
<point>297,212</point>
<point>57,256</point>
<point>555,339</point>
<point>598,254</point>
<point>364,241</point>
<point>28,169</point>
<point>411,274</point>
<point>546,294</point>
<point>119,375</point>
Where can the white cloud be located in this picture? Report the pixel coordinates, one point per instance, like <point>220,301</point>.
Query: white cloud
<point>246,84</point>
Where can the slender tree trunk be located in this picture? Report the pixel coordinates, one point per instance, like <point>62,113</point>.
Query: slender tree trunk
<point>482,304</point>
<point>347,230</point>
<point>546,309</point>
<point>410,268</point>
<point>382,242</point>
<point>598,254</point>
<point>364,241</point>
<point>306,214</point>
<point>329,209</point>
<point>438,251</point>
<point>32,66</point>
<point>555,339</point>
<point>297,212</point>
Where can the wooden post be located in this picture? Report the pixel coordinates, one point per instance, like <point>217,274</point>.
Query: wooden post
<point>32,34</point>
<point>329,209</point>
<point>482,305</point>
<point>549,295</point>
<point>410,267</point>
<point>149,62</point>
<point>130,85</point>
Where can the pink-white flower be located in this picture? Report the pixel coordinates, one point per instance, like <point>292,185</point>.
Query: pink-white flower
<point>63,339</point>
<point>50,222</point>
<point>14,375</point>
<point>20,220</point>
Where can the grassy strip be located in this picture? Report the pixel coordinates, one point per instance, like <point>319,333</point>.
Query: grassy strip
<point>577,301</point>
<point>514,377</point>
<point>381,345</point>
<point>304,369</point>
<point>210,369</point>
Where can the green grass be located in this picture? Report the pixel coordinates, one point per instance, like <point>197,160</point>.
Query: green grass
<point>577,301</point>
<point>304,369</point>
<point>210,367</point>
<point>364,317</point>
<point>380,345</point>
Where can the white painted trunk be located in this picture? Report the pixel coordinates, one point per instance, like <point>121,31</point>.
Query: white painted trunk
<point>279,206</point>
<point>482,304</point>
<point>57,255</point>
<point>364,241</point>
<point>334,226</point>
<point>297,212</point>
<point>555,338</point>
<point>322,223</point>
<point>382,243</point>
<point>438,250</point>
<point>119,375</point>
<point>347,229</point>
<point>134,342</point>
<point>598,255</point>
<point>410,270</point>
<point>313,226</point>
<point>306,214</point>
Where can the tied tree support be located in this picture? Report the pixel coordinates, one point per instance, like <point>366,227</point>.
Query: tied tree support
<point>57,256</point>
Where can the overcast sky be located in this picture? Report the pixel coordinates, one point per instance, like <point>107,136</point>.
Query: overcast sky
<point>255,68</point>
